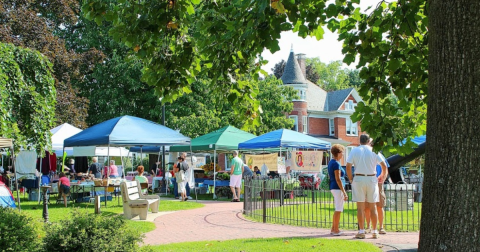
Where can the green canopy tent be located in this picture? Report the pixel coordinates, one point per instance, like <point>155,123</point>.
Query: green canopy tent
<point>222,140</point>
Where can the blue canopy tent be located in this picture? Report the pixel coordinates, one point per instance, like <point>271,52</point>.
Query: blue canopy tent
<point>284,138</point>
<point>126,131</point>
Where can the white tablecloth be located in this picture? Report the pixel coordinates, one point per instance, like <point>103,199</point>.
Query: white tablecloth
<point>156,184</point>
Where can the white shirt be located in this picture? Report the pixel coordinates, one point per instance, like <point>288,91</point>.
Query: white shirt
<point>364,160</point>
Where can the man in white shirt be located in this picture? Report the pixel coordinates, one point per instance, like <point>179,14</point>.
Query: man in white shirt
<point>364,186</point>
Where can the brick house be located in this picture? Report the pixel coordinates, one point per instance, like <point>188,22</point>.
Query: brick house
<point>318,113</point>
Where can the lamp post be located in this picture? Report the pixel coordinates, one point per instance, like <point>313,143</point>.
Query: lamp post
<point>163,150</point>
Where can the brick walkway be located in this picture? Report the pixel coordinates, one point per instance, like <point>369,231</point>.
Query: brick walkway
<point>220,220</point>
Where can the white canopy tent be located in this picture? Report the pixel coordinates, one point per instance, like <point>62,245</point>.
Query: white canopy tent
<point>61,133</point>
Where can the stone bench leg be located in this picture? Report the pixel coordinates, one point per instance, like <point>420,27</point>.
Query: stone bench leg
<point>154,206</point>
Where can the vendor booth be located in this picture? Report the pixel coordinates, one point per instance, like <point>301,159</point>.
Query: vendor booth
<point>126,131</point>
<point>225,139</point>
<point>287,139</point>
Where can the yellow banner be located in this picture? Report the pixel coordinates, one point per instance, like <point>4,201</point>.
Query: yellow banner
<point>270,160</point>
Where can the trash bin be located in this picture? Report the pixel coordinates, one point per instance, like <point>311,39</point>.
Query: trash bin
<point>399,197</point>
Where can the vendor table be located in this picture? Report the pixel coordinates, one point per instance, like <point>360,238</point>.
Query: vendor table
<point>154,184</point>
<point>217,182</point>
<point>105,190</point>
<point>82,188</point>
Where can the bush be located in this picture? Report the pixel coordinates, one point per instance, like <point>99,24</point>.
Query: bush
<point>18,231</point>
<point>84,232</point>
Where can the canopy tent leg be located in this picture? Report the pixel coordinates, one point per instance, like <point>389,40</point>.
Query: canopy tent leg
<point>156,166</point>
<point>63,158</point>
<point>108,166</point>
<point>141,155</point>
<point>164,170</point>
<point>16,177</point>
<point>214,172</point>
<point>123,167</point>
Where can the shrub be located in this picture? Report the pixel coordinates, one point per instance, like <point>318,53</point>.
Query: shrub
<point>18,231</point>
<point>84,232</point>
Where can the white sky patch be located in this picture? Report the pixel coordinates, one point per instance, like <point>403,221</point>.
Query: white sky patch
<point>328,49</point>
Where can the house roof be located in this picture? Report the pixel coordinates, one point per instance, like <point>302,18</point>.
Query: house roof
<point>335,99</point>
<point>292,74</point>
<point>316,97</point>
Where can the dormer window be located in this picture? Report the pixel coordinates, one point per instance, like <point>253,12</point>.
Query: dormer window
<point>349,105</point>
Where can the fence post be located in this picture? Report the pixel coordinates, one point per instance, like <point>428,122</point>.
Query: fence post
<point>245,194</point>
<point>264,201</point>
<point>281,192</point>
<point>313,194</point>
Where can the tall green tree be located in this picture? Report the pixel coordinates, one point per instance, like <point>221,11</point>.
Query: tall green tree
<point>113,86</point>
<point>27,95</point>
<point>32,24</point>
<point>279,68</point>
<point>331,76</point>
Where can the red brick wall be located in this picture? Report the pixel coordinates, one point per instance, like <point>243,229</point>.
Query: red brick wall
<point>318,126</point>
<point>300,110</point>
<point>341,133</point>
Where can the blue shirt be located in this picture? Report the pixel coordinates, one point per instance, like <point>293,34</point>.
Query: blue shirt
<point>333,166</point>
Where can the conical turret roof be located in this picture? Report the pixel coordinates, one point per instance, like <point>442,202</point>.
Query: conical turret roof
<point>292,74</point>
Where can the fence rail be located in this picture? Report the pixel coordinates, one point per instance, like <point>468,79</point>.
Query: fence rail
<point>284,201</point>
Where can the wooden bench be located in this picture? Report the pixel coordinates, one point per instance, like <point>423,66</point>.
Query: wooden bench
<point>134,203</point>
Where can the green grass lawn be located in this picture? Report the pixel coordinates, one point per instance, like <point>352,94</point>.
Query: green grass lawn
<point>318,212</point>
<point>269,244</point>
<point>56,212</point>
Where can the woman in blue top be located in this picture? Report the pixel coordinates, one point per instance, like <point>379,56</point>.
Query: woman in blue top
<point>337,186</point>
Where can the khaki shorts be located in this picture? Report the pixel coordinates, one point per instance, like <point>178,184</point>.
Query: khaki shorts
<point>365,189</point>
<point>383,197</point>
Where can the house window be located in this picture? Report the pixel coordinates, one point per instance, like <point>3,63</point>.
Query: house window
<point>295,122</point>
<point>302,95</point>
<point>305,124</point>
<point>332,127</point>
<point>351,127</point>
<point>347,153</point>
<point>349,105</point>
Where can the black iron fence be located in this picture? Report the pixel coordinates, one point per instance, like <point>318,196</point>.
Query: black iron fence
<point>287,201</point>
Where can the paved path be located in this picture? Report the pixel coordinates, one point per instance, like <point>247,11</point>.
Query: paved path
<point>220,220</point>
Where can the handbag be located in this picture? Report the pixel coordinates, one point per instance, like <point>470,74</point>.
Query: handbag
<point>325,184</point>
<point>180,176</point>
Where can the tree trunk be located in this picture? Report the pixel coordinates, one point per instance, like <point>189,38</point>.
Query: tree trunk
<point>451,203</point>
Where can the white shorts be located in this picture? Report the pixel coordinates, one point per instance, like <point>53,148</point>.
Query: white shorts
<point>181,187</point>
<point>338,199</point>
<point>236,181</point>
<point>365,189</point>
